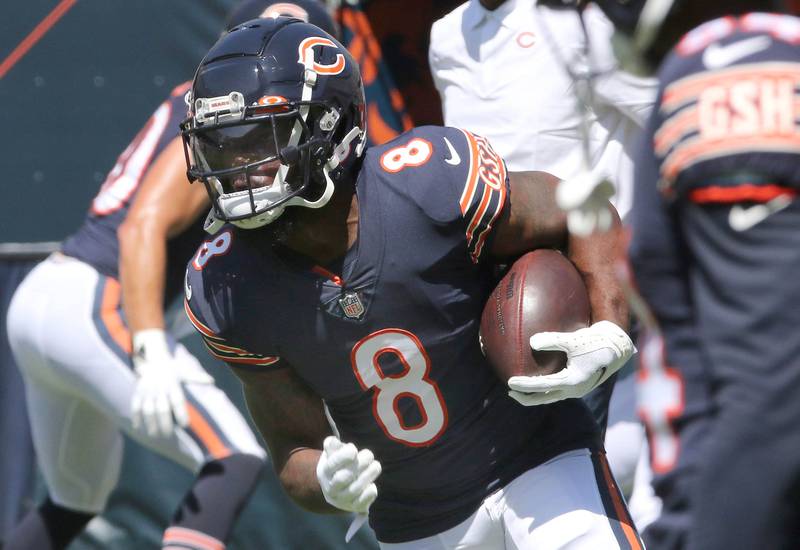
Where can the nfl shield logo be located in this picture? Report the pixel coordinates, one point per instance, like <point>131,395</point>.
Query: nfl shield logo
<point>351,305</point>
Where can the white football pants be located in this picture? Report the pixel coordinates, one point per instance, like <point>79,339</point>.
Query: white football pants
<point>71,342</point>
<point>570,502</point>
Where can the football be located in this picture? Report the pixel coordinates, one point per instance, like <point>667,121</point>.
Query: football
<point>542,291</point>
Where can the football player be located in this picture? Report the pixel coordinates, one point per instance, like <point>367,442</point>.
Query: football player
<point>714,254</point>
<point>345,288</point>
<point>87,329</point>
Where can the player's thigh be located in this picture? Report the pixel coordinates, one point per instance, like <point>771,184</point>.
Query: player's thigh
<point>78,448</point>
<point>66,327</point>
<point>570,502</point>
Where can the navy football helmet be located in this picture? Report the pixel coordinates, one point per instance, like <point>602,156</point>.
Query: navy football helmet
<point>276,116</point>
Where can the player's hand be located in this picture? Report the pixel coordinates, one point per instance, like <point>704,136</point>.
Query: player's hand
<point>347,476</point>
<point>158,401</point>
<point>593,354</point>
<point>585,200</point>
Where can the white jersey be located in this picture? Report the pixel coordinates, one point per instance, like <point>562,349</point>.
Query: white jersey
<point>502,74</point>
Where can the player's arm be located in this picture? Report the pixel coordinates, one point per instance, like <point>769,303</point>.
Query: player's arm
<point>533,220</point>
<point>318,471</point>
<point>291,419</point>
<point>165,205</point>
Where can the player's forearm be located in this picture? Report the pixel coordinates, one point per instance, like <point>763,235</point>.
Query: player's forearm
<point>299,480</point>
<point>143,259</point>
<point>595,257</point>
<point>291,419</point>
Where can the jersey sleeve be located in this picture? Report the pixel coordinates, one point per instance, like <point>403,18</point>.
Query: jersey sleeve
<point>482,194</point>
<point>205,304</point>
<point>454,176</point>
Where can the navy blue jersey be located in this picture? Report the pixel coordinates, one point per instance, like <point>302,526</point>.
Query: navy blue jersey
<point>727,110</point>
<point>96,242</point>
<point>715,246</point>
<point>390,341</point>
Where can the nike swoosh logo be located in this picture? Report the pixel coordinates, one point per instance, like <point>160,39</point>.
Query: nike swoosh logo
<point>186,286</point>
<point>717,56</point>
<point>454,159</point>
<point>742,219</point>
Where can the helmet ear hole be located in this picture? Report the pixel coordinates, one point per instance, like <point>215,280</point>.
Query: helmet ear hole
<point>328,120</point>
<point>348,119</point>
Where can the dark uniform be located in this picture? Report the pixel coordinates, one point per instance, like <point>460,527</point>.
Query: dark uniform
<point>389,338</point>
<point>716,254</point>
<point>96,243</point>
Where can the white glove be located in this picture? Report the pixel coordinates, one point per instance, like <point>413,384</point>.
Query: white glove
<point>347,476</point>
<point>585,200</point>
<point>158,397</point>
<point>593,354</point>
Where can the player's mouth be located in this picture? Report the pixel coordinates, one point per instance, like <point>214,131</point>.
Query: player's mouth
<point>262,175</point>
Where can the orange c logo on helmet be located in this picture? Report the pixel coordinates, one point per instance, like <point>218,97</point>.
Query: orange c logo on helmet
<point>271,99</point>
<point>306,50</point>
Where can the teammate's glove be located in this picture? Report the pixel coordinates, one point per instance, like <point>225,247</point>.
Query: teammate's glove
<point>347,476</point>
<point>593,354</point>
<point>158,397</point>
<point>585,200</point>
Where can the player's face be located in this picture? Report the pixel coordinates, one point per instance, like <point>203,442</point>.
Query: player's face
<point>248,152</point>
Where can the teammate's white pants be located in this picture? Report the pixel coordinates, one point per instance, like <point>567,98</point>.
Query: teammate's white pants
<point>629,455</point>
<point>570,502</point>
<point>69,339</point>
<point>625,435</point>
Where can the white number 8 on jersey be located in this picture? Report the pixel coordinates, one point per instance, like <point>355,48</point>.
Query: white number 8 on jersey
<point>413,383</point>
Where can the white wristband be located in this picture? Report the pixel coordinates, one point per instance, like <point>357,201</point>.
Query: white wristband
<point>150,344</point>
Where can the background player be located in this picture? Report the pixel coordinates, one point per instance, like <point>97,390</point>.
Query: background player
<point>100,301</point>
<point>360,278</point>
<point>713,250</point>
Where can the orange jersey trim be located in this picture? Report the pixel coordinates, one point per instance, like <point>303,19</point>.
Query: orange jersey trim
<point>201,328</point>
<point>740,193</point>
<point>472,176</point>
<point>698,150</point>
<point>673,129</point>
<point>183,536</point>
<point>689,88</point>
<point>240,356</point>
